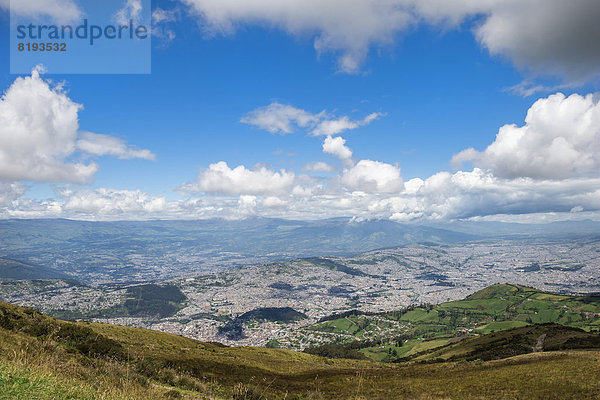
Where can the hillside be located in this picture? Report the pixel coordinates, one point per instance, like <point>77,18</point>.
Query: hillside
<point>16,270</point>
<point>515,341</point>
<point>235,328</point>
<point>405,333</point>
<point>44,358</point>
<point>147,300</point>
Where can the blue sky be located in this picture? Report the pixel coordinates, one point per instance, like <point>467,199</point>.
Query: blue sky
<point>436,87</point>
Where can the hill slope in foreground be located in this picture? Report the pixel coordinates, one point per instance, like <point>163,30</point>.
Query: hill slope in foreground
<point>45,358</point>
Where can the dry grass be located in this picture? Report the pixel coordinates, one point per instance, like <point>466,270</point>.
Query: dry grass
<point>153,365</point>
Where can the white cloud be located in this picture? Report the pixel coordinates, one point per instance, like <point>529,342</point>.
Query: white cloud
<point>38,129</point>
<point>373,177</point>
<point>61,11</point>
<point>306,191</point>
<point>560,139</point>
<point>285,119</point>
<point>160,15</point>
<point>337,146</point>
<point>98,144</point>
<point>280,118</point>
<point>366,175</point>
<point>548,166</point>
<point>103,202</point>
<point>543,36</point>
<point>131,10</point>
<point>349,27</point>
<point>10,192</point>
<point>479,193</point>
<point>443,196</point>
<point>39,132</point>
<point>529,87</point>
<point>160,20</point>
<point>335,126</point>
<point>247,205</point>
<point>274,202</point>
<point>221,179</point>
<point>318,166</point>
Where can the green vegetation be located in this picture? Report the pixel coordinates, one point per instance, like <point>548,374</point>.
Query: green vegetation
<point>44,358</point>
<point>334,266</point>
<point>336,351</point>
<point>275,314</point>
<point>495,308</point>
<point>149,300</point>
<point>511,342</point>
<point>234,329</point>
<point>153,300</point>
<point>20,382</point>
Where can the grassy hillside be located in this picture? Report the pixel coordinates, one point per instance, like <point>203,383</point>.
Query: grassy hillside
<point>515,341</point>
<point>396,335</point>
<point>44,358</point>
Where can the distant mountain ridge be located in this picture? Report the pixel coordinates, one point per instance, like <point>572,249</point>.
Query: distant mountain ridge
<point>121,250</point>
<point>332,236</point>
<point>557,229</point>
<point>16,270</point>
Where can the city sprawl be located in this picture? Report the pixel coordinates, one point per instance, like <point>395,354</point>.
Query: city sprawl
<point>316,287</point>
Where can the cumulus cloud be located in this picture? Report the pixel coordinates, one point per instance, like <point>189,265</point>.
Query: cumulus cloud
<point>543,36</point>
<point>39,132</point>
<point>285,119</point>
<point>336,146</point>
<point>374,177</point>
<point>10,192</point>
<point>91,204</point>
<point>443,196</point>
<point>98,144</point>
<point>546,36</point>
<point>247,205</point>
<point>479,193</point>
<point>221,179</point>
<point>560,139</point>
<point>548,165</point>
<point>274,202</point>
<point>318,166</point>
<point>365,175</point>
<point>374,189</point>
<point>61,11</point>
<point>105,201</point>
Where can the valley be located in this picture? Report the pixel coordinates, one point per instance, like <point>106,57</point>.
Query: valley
<point>379,281</point>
